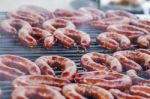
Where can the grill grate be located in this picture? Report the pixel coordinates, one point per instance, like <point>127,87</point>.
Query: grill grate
<point>11,45</point>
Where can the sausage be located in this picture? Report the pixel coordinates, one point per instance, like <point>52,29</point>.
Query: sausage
<point>46,63</point>
<point>98,61</point>
<point>45,13</point>
<point>121,95</point>
<point>38,80</point>
<point>102,24</point>
<point>95,13</point>
<point>9,26</point>
<point>36,92</point>
<point>137,79</point>
<point>125,59</point>
<point>113,41</point>
<point>69,37</point>
<point>144,41</point>
<point>140,90</point>
<point>105,79</point>
<point>64,39</point>
<point>130,59</point>
<point>53,24</point>
<point>146,51</point>
<point>80,37</point>
<point>131,31</point>
<point>121,13</point>
<point>142,24</point>
<point>76,17</point>
<point>12,66</point>
<point>32,38</point>
<point>78,91</point>
<point>26,15</point>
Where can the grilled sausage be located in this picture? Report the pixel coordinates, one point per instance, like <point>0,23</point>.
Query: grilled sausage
<point>105,79</point>
<point>98,61</point>
<point>78,91</point>
<point>12,66</point>
<point>46,63</point>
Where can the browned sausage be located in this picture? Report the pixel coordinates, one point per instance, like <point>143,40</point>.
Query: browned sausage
<point>121,95</point>
<point>102,24</point>
<point>137,79</point>
<point>121,13</point>
<point>113,41</point>
<point>36,92</point>
<point>76,17</point>
<point>105,79</point>
<point>26,15</point>
<point>32,38</point>
<point>46,63</point>
<point>140,90</point>
<point>78,91</point>
<point>9,25</point>
<point>131,31</point>
<point>144,41</point>
<point>12,66</point>
<point>54,24</point>
<point>130,59</point>
<point>98,61</point>
<point>37,80</point>
<point>68,37</point>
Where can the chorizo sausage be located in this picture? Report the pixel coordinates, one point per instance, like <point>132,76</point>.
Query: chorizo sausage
<point>69,37</point>
<point>137,79</point>
<point>9,26</point>
<point>131,31</point>
<point>36,92</point>
<point>146,51</point>
<point>144,41</point>
<point>26,15</point>
<point>130,59</point>
<point>105,22</point>
<point>37,80</point>
<point>46,63</point>
<point>12,66</point>
<point>140,90</point>
<point>76,17</point>
<point>78,91</point>
<point>53,24</point>
<point>32,38</point>
<point>121,95</point>
<point>142,24</point>
<point>98,61</point>
<point>121,13</point>
<point>105,79</point>
<point>113,41</point>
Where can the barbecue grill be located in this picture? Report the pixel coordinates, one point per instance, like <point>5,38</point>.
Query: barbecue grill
<point>10,44</point>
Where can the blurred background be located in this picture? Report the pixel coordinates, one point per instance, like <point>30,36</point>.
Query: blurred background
<point>134,6</point>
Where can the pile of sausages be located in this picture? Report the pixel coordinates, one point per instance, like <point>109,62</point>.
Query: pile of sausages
<point>115,76</point>
<point>121,29</point>
<point>105,77</point>
<point>34,24</point>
